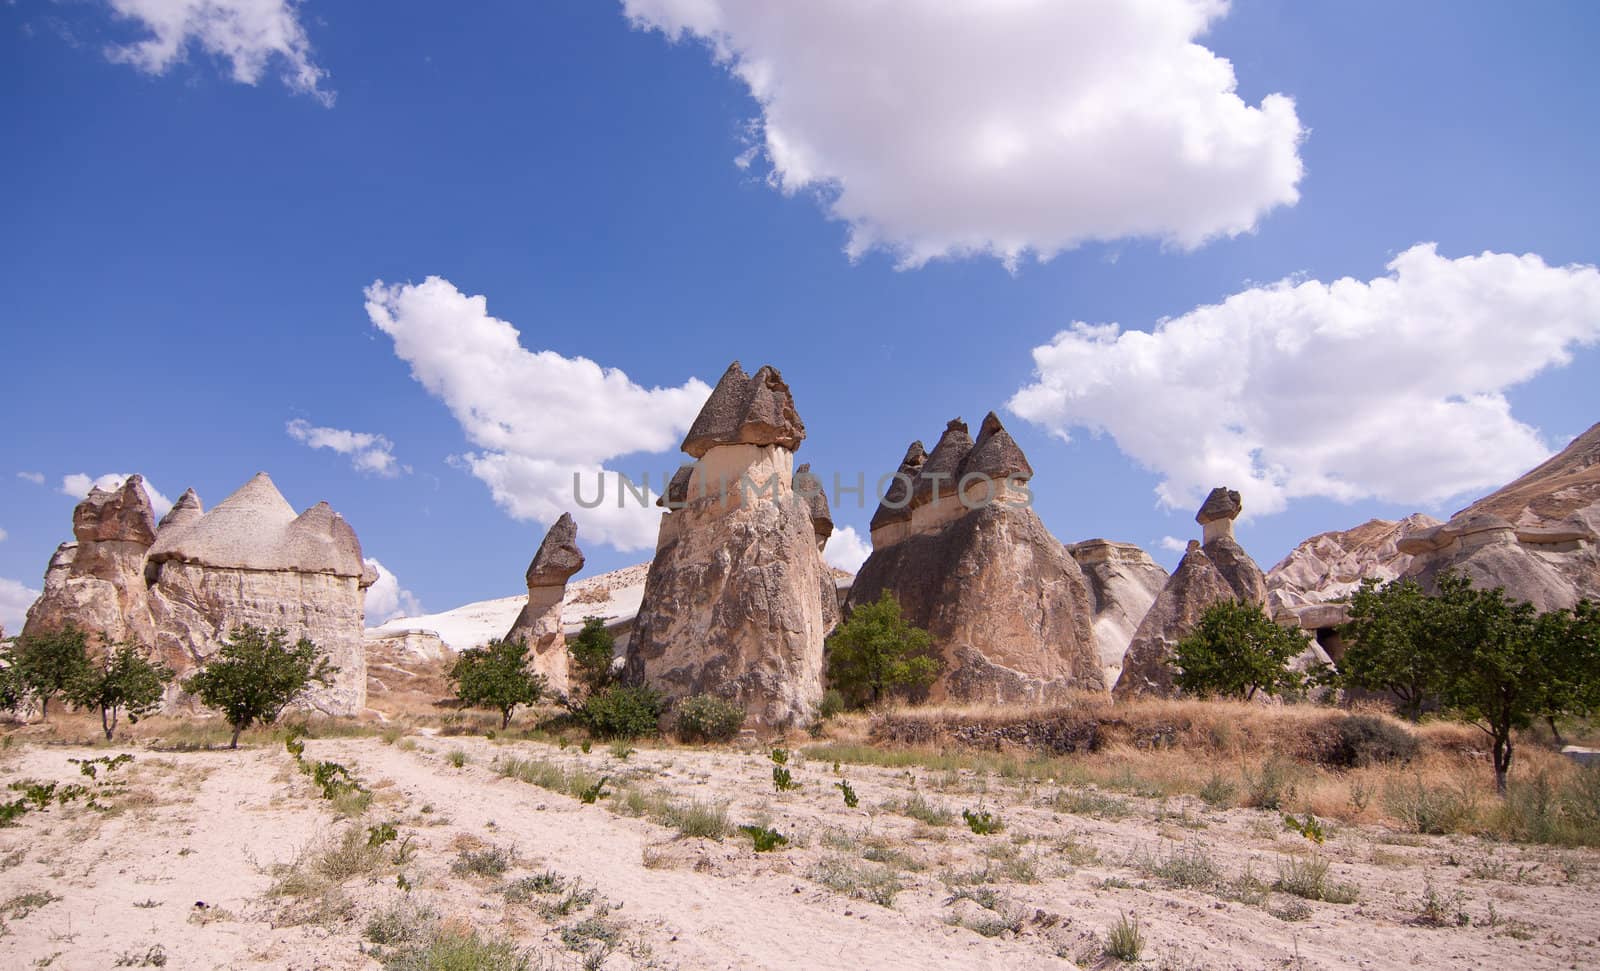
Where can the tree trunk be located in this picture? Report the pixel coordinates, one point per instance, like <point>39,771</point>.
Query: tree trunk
<point>108,721</point>
<point>236,730</point>
<point>44,708</point>
<point>505,718</point>
<point>1560,742</point>
<point>1502,762</point>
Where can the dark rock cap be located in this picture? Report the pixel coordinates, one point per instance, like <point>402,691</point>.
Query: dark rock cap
<point>677,494</point>
<point>943,468</point>
<point>123,514</point>
<point>809,488</point>
<point>895,506</point>
<point>1222,503</point>
<point>746,410</point>
<point>558,557</point>
<point>996,454</point>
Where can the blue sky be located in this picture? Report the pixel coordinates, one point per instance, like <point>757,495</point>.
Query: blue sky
<point>190,238</point>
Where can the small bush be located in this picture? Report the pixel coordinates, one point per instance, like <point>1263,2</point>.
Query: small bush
<point>1421,809</point>
<point>1307,877</point>
<point>763,838</point>
<point>864,881</point>
<point>703,819</point>
<point>832,704</point>
<point>916,807</point>
<point>548,882</point>
<point>1219,793</point>
<point>406,922</point>
<point>489,862</point>
<point>982,821</point>
<point>851,800</point>
<point>1124,939</point>
<point>457,758</point>
<point>1358,741</point>
<point>622,711</point>
<point>455,950</point>
<point>782,781</point>
<point>1274,786</point>
<point>1194,869</point>
<point>707,718</point>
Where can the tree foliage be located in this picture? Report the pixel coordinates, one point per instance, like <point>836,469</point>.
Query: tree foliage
<point>622,711</point>
<point>876,652</point>
<point>495,676</point>
<point>1235,651</point>
<point>1483,657</point>
<point>591,650</point>
<point>254,675</point>
<point>121,680</point>
<point>46,665</point>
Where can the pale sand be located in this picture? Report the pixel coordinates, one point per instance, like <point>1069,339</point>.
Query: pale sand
<point>207,826</point>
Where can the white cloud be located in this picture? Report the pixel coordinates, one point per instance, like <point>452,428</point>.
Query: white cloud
<point>78,485</point>
<point>37,478</point>
<point>15,599</point>
<point>3,535</point>
<point>369,452</point>
<point>538,418</point>
<point>1174,544</point>
<point>248,34</point>
<point>846,549</point>
<point>1002,128</point>
<point>1391,389</point>
<point>387,599</point>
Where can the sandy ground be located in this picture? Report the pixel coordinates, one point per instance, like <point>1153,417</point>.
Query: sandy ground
<point>181,866</point>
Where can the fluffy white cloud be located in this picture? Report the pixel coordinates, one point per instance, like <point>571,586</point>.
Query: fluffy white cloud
<point>538,418</point>
<point>15,599</point>
<point>387,599</point>
<point>846,550</point>
<point>3,535</point>
<point>369,452</point>
<point>1392,388</point>
<point>37,478</point>
<point>248,34</point>
<point>1003,128</point>
<point>77,485</point>
<point>1173,544</point>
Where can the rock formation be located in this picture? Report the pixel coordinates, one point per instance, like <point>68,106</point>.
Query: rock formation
<point>1123,582</point>
<point>957,543</point>
<point>1536,536</point>
<point>539,624</point>
<point>1332,565</point>
<point>809,488</point>
<point>1209,573</point>
<point>737,601</point>
<point>184,584</point>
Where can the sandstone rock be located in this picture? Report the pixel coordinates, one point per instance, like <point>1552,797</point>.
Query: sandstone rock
<point>183,585</point>
<point>1123,583</point>
<point>809,487</point>
<point>1217,514</point>
<point>896,504</point>
<point>1008,608</point>
<point>746,410</point>
<point>539,623</point>
<point>1217,571</point>
<point>97,583</point>
<point>737,600</point>
<point>1332,565</point>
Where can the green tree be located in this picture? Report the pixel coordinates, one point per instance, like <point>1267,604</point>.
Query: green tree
<point>254,675</point>
<point>495,676</point>
<point>12,694</point>
<point>591,650</point>
<point>1510,664</point>
<point>123,680</point>
<point>1235,651</point>
<point>47,664</point>
<point>1399,638</point>
<point>876,651</point>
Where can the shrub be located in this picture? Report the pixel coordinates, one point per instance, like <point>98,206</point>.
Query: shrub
<point>708,718</point>
<point>1274,786</point>
<point>622,711</point>
<point>591,650</point>
<point>1433,811</point>
<point>708,820</point>
<point>1235,651</point>
<point>1307,877</point>
<point>457,758</point>
<point>491,861</point>
<point>1124,939</point>
<point>782,781</point>
<point>864,881</point>
<point>763,838</point>
<point>1219,793</point>
<point>851,800</point>
<point>832,704</point>
<point>1361,740</point>
<point>983,822</point>
<point>457,950</point>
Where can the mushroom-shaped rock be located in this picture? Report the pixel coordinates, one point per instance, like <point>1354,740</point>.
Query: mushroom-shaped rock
<point>941,472</point>
<point>677,494</point>
<point>896,504</point>
<point>1218,512</point>
<point>809,488</point>
<point>558,557</point>
<point>995,457</point>
<point>746,410</point>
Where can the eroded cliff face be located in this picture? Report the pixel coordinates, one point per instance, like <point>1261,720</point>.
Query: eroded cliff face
<point>1332,565</point>
<point>738,600</point>
<point>182,586</point>
<point>958,545</point>
<point>1123,585</point>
